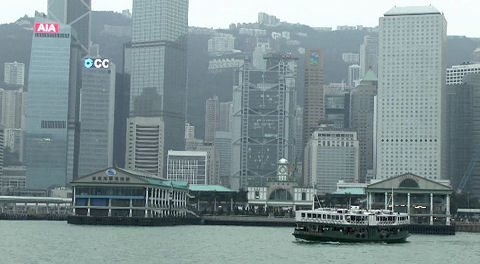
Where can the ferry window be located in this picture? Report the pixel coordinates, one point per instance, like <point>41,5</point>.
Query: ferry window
<point>329,216</point>
<point>257,195</point>
<point>303,214</point>
<point>314,216</point>
<point>341,217</point>
<point>304,196</point>
<point>309,215</point>
<point>324,216</point>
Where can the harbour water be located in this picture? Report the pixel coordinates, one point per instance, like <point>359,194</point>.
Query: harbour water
<point>58,242</point>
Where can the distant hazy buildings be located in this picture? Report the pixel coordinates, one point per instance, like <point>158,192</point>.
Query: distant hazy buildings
<point>212,116</point>
<point>12,108</point>
<point>353,75</point>
<point>456,72</point>
<point>145,139</point>
<point>48,105</point>
<point>337,107</point>
<point>97,105</point>
<point>368,55</point>
<point>225,119</point>
<point>220,44</point>
<point>189,131</point>
<point>351,58</point>
<point>158,68</point>
<point>268,20</point>
<point>313,105</point>
<point>362,107</point>
<point>330,156</point>
<point>14,73</point>
<point>263,120</point>
<point>188,166</point>
<point>223,147</point>
<point>411,93</point>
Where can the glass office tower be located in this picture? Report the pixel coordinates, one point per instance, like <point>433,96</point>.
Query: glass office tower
<point>46,135</point>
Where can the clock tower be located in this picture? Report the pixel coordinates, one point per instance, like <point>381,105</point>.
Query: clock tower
<point>282,171</point>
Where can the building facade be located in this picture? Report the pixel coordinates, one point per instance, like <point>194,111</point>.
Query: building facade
<point>331,156</point>
<point>362,107</point>
<point>223,148</point>
<point>115,192</point>
<point>97,109</point>
<point>158,66</point>
<point>313,104</point>
<point>48,106</point>
<point>145,137</point>
<point>411,104</point>
<point>368,55</point>
<point>463,130</point>
<point>264,105</point>
<point>456,72</point>
<point>188,166</point>
<point>353,75</point>
<point>14,73</point>
<point>212,116</point>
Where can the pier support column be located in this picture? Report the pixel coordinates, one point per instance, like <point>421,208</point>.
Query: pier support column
<point>408,204</point>
<point>431,208</point>
<point>36,208</point>
<point>146,201</point>
<point>109,207</point>
<point>447,209</point>
<point>88,207</point>
<point>130,209</point>
<point>386,200</point>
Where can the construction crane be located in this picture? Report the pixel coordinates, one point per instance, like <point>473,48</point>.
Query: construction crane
<point>469,170</point>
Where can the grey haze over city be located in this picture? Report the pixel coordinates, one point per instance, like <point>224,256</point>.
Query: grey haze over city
<point>309,12</point>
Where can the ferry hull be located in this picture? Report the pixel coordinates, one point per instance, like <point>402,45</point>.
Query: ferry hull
<point>328,233</point>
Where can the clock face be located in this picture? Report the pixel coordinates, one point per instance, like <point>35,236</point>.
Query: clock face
<point>282,169</point>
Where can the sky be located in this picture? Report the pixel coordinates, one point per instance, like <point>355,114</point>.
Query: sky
<point>461,15</point>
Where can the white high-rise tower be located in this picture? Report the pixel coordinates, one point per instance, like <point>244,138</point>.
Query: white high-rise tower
<point>411,93</point>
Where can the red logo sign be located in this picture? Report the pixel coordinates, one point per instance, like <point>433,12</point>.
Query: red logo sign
<point>46,28</point>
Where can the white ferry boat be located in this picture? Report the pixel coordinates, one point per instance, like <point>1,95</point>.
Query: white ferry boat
<point>351,225</point>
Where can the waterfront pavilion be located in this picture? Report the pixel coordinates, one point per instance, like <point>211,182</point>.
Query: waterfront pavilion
<point>212,198</point>
<point>116,192</point>
<point>426,201</point>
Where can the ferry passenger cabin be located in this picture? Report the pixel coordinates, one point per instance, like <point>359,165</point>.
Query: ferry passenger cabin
<point>352,217</point>
<point>116,192</point>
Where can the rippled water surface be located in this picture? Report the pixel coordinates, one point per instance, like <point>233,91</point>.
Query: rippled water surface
<point>58,242</point>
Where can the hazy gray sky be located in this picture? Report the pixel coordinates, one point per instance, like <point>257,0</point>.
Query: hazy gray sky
<point>462,15</point>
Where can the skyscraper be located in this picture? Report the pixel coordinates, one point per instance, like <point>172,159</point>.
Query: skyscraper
<point>97,105</point>
<point>158,65</point>
<point>212,116</point>
<point>75,13</point>
<point>368,55</point>
<point>263,120</point>
<point>313,108</point>
<point>14,73</point>
<point>411,93</point>
<point>47,109</point>
<point>362,108</point>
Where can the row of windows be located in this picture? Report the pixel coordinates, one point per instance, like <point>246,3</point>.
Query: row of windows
<point>53,124</point>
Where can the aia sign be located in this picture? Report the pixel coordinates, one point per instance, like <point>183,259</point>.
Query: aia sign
<point>46,28</point>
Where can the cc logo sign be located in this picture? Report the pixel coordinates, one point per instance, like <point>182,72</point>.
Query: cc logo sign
<point>96,63</point>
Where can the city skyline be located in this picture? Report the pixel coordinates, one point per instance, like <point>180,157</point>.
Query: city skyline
<point>310,13</point>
